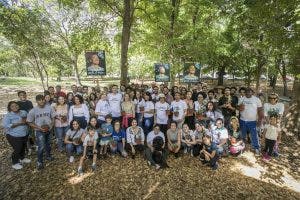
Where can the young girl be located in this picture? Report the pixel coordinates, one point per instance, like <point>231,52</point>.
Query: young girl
<point>106,132</point>
<point>272,135</point>
<point>73,139</point>
<point>220,137</point>
<point>118,140</point>
<point>235,137</point>
<point>174,139</point>
<point>128,111</point>
<point>89,148</point>
<point>187,138</point>
<point>61,121</point>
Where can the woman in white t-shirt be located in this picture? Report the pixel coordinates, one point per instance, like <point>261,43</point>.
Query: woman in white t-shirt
<point>148,118</point>
<point>179,109</point>
<point>273,106</point>
<point>79,111</point>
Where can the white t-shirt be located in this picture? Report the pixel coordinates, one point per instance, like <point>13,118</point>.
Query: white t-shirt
<point>161,115</point>
<point>251,106</point>
<point>278,108</point>
<point>272,132</point>
<point>103,108</point>
<point>219,134</point>
<point>152,135</point>
<point>148,106</point>
<point>178,106</point>
<point>89,141</point>
<point>115,104</point>
<point>138,104</point>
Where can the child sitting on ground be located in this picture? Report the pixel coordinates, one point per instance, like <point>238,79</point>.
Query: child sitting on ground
<point>235,137</point>
<point>89,151</point>
<point>209,154</point>
<point>106,132</point>
<point>272,135</point>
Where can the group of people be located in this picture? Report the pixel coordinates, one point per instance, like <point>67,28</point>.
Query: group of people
<point>155,121</point>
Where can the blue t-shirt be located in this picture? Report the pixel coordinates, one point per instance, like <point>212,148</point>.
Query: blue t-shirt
<point>107,128</point>
<point>118,136</point>
<point>211,148</point>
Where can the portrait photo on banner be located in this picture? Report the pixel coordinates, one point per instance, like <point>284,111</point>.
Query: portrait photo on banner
<point>95,62</point>
<point>162,72</point>
<point>191,72</point>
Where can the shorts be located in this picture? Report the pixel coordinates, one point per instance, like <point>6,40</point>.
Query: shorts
<point>104,142</point>
<point>89,152</point>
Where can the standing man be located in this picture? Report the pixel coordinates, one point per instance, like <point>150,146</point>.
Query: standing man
<point>41,118</point>
<point>115,99</point>
<point>251,114</point>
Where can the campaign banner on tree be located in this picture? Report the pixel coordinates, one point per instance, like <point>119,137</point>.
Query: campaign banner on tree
<point>191,72</point>
<point>162,72</point>
<point>95,62</point>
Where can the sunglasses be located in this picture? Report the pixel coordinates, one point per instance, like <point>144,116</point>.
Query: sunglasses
<point>272,98</point>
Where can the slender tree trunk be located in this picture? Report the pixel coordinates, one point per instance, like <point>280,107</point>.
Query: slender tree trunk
<point>127,21</point>
<point>74,60</point>
<point>40,72</point>
<point>260,64</point>
<point>221,75</point>
<point>285,89</point>
<point>171,36</point>
<point>46,73</point>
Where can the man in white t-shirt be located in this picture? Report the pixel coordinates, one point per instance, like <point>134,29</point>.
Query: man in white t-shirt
<point>179,109</point>
<point>115,100</point>
<point>162,109</point>
<point>250,111</point>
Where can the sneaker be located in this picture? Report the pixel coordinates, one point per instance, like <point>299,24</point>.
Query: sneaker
<point>80,171</point>
<point>51,158</point>
<point>215,167</point>
<point>93,167</point>
<point>71,159</point>
<point>40,166</point>
<point>149,163</point>
<point>29,152</point>
<point>25,160</point>
<point>257,152</point>
<point>185,150</point>
<point>133,156</point>
<point>17,166</point>
<point>157,167</point>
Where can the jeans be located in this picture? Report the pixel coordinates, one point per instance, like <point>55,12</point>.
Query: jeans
<point>71,148</point>
<point>149,157</point>
<point>18,144</point>
<point>117,148</point>
<point>139,118</point>
<point>43,142</point>
<point>60,133</point>
<point>251,127</point>
<point>148,124</point>
<point>269,146</point>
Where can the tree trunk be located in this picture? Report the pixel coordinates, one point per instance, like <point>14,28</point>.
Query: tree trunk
<point>285,89</point>
<point>221,74</point>
<point>40,72</point>
<point>74,60</point>
<point>171,35</point>
<point>127,20</point>
<point>46,73</point>
<point>260,64</point>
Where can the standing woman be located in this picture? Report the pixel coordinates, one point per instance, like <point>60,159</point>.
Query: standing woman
<point>92,101</point>
<point>16,130</point>
<point>70,97</point>
<point>79,111</point>
<point>102,109</point>
<point>61,121</point>
<point>128,111</point>
<point>174,138</point>
<point>189,117</point>
<point>148,113</point>
<point>212,114</point>
<point>200,107</point>
<point>139,107</point>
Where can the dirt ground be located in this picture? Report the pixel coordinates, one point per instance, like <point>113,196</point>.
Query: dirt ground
<point>246,177</point>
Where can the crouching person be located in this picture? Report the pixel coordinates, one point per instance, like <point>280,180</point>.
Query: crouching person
<point>155,153</point>
<point>209,154</point>
<point>89,149</point>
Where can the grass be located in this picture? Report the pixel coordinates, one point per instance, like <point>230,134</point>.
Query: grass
<point>21,81</point>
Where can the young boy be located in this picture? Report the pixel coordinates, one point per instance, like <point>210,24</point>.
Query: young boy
<point>89,148</point>
<point>106,132</point>
<point>41,118</point>
<point>272,135</point>
<point>209,153</point>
